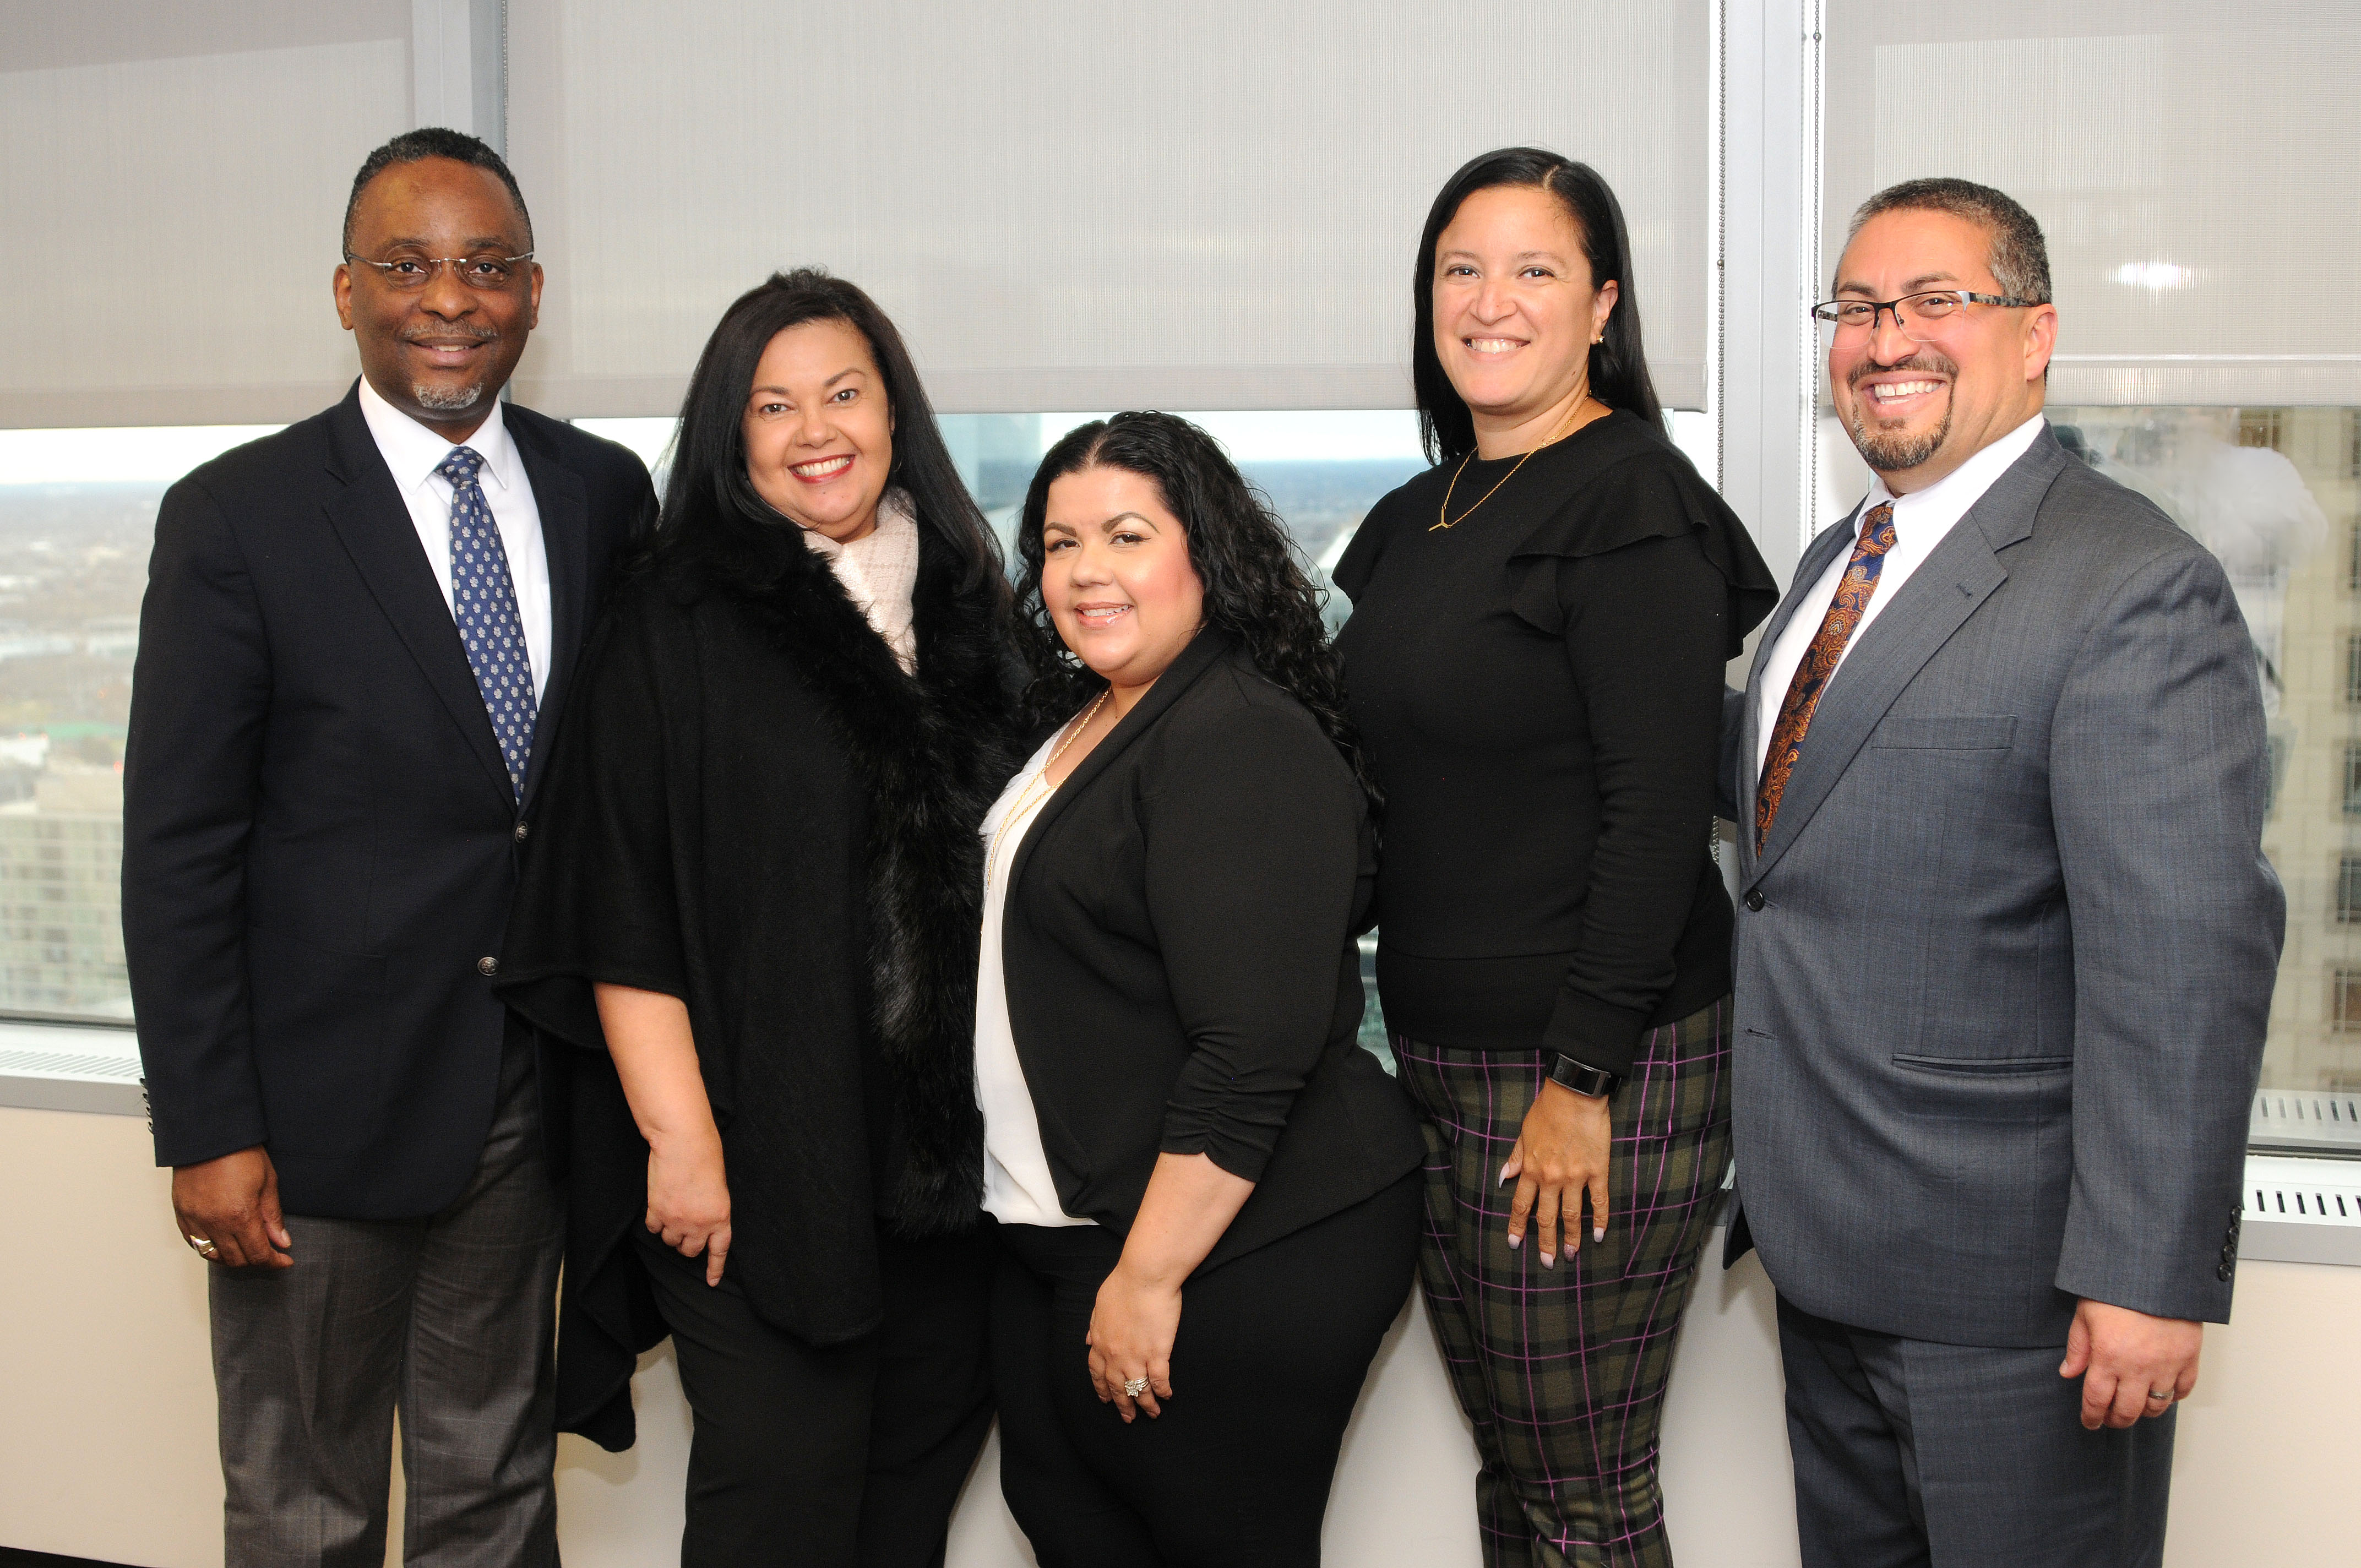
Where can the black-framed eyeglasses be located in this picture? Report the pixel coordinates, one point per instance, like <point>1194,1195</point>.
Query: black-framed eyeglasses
<point>1919,316</point>
<point>489,273</point>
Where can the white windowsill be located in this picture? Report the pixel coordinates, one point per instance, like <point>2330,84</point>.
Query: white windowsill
<point>2300,1209</point>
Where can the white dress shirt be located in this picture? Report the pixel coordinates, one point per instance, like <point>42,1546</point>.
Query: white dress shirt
<point>413,453</point>
<point>1921,521</point>
<point>1017,1186</point>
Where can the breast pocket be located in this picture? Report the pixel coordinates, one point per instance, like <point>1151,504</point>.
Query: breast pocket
<point>1946,732</point>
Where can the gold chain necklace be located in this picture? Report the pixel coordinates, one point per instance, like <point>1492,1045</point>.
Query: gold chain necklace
<point>1443,520</point>
<point>1025,799</point>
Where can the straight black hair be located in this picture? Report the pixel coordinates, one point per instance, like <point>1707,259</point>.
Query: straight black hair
<point>1256,587</point>
<point>712,511</point>
<point>1618,366</point>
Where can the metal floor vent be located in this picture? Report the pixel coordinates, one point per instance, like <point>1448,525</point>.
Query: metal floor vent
<point>2306,1119</point>
<point>69,1064</point>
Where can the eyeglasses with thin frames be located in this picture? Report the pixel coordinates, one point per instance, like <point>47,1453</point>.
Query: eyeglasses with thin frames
<point>1921,317</point>
<point>410,273</point>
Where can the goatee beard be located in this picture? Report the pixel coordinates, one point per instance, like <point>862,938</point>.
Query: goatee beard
<point>1896,454</point>
<point>1899,454</point>
<point>448,399</point>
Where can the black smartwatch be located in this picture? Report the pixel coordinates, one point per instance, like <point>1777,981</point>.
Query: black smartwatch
<point>1595,1082</point>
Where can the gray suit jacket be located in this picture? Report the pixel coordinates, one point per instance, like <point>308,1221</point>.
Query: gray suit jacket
<point>2004,962</point>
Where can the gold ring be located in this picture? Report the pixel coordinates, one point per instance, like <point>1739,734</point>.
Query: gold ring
<point>198,1243</point>
<point>2159,1394</point>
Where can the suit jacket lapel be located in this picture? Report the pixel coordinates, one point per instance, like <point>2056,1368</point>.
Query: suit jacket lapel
<point>1204,651</point>
<point>1936,601</point>
<point>565,505</point>
<point>372,521</point>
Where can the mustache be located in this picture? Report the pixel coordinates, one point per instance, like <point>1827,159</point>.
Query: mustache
<point>476,330</point>
<point>1927,359</point>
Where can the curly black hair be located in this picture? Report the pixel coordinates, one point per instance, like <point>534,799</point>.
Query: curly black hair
<point>1257,587</point>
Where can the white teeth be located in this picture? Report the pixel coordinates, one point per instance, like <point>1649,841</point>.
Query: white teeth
<point>1885,389</point>
<point>825,465</point>
<point>1491,345</point>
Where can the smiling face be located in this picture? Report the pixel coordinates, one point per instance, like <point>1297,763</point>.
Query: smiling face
<point>1918,410</point>
<point>1515,313</point>
<point>1116,578</point>
<point>440,354</point>
<point>819,431</point>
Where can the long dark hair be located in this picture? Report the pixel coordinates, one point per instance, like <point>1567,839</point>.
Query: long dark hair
<point>1256,589</point>
<point>1618,366</point>
<point>713,513</point>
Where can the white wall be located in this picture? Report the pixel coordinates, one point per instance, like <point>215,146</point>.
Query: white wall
<point>107,1448</point>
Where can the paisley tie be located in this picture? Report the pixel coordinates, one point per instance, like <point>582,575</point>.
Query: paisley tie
<point>483,601</point>
<point>1851,602</point>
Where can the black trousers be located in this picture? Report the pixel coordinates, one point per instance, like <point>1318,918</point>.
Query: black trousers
<point>1270,1355</point>
<point>1914,1454</point>
<point>850,1456</point>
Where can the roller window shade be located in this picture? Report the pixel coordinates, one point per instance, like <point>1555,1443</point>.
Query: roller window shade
<point>172,177</point>
<point>1077,205</point>
<point>2191,165</point>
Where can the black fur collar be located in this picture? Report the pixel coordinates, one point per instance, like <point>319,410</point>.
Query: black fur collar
<point>935,751</point>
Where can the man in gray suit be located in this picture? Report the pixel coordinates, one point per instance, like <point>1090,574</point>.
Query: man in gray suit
<point>2006,943</point>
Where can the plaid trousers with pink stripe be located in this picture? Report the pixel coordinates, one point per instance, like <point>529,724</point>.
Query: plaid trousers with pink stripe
<point>1563,1371</point>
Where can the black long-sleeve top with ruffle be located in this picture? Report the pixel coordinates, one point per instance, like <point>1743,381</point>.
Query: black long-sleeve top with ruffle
<point>1539,690</point>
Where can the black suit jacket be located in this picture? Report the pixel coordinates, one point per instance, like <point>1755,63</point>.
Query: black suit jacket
<point>319,833</point>
<point>1178,946</point>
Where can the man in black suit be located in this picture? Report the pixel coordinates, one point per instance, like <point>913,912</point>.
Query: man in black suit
<point>353,653</point>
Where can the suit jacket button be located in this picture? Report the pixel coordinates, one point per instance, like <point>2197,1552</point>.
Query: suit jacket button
<point>487,966</point>
<point>2223,1271</point>
<point>523,830</point>
<point>1753,898</point>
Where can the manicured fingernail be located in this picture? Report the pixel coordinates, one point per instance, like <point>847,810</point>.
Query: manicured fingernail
<point>1548,1262</point>
<point>1599,1233</point>
<point>1515,1241</point>
<point>1504,1177</point>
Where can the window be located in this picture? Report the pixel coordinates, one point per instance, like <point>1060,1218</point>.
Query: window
<point>77,514</point>
<point>2353,778</point>
<point>2348,889</point>
<point>2344,1000</point>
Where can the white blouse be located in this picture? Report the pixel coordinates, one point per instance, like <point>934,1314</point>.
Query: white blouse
<point>1017,1186</point>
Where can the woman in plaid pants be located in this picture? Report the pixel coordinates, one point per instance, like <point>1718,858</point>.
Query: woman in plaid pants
<point>1535,658</point>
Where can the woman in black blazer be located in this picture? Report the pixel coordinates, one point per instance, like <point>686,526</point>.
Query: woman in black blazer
<point>751,899</point>
<point>1175,1106</point>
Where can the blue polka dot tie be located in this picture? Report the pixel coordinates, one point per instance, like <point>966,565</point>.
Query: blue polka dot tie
<point>483,601</point>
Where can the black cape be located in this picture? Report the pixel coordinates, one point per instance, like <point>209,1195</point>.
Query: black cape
<point>750,806</point>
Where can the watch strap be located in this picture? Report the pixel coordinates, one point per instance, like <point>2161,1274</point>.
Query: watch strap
<point>1583,1079</point>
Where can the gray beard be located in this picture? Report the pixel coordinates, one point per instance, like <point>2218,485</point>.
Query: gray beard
<point>1896,454</point>
<point>449,401</point>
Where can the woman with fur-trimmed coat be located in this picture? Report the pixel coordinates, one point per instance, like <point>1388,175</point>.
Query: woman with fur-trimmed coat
<point>752,902</point>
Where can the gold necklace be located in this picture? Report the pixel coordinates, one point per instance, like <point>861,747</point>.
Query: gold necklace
<point>1025,799</point>
<point>1443,520</point>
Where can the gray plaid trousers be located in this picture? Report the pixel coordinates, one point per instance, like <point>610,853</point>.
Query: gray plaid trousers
<point>1563,1371</point>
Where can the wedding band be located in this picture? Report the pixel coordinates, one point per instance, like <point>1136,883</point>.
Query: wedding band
<point>197,1244</point>
<point>1135,1387</point>
<point>2159,1394</point>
